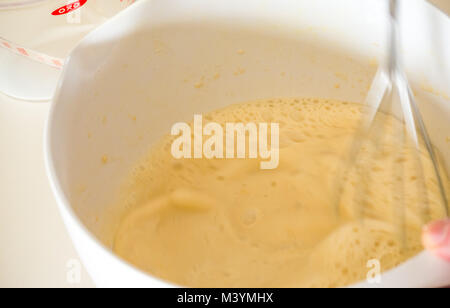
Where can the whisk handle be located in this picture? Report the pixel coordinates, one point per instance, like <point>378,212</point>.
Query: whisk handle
<point>393,8</point>
<point>393,56</point>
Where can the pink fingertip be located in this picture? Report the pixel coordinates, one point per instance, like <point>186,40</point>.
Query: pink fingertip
<point>436,238</point>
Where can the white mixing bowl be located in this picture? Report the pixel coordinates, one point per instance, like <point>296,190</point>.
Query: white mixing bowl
<point>147,61</point>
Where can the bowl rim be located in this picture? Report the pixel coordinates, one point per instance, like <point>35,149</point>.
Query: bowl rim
<point>62,200</point>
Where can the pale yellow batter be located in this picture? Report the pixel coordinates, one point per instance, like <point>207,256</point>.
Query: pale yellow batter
<point>227,223</point>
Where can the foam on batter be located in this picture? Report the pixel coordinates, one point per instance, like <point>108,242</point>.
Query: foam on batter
<point>227,223</point>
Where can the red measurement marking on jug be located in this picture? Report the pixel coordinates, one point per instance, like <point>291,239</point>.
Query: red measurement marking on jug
<point>69,7</point>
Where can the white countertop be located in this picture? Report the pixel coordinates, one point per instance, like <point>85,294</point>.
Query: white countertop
<point>35,247</point>
<point>36,250</point>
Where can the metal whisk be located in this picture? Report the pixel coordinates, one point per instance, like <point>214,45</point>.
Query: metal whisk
<point>391,94</point>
